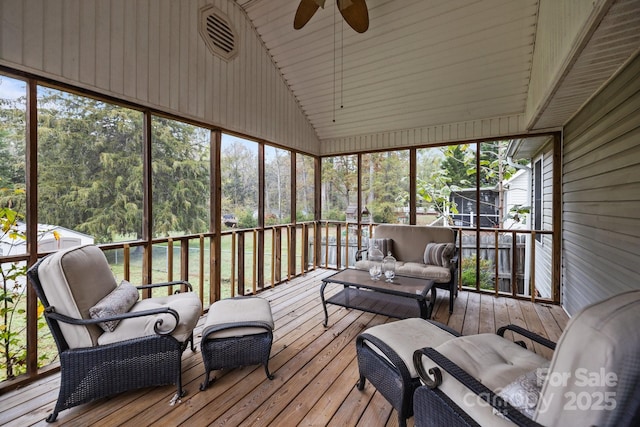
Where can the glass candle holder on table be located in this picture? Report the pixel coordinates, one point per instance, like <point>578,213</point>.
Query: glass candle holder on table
<point>389,267</point>
<point>375,262</point>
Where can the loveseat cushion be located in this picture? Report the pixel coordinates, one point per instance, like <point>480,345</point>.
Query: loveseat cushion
<point>433,272</point>
<point>187,304</point>
<point>414,269</point>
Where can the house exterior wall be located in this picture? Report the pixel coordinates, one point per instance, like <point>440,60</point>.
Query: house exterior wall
<point>601,194</point>
<point>150,52</point>
<point>518,193</point>
<point>544,244</point>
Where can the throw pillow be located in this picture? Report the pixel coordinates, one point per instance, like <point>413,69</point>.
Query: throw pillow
<point>523,393</point>
<point>384,245</point>
<point>439,254</point>
<point>119,301</point>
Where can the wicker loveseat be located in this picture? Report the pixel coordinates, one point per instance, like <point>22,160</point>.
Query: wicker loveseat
<point>421,251</point>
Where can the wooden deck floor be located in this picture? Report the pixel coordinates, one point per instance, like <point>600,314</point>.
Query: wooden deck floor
<point>315,370</point>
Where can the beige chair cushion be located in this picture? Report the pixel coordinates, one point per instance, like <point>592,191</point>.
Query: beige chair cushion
<point>187,304</point>
<point>73,281</point>
<point>597,355</point>
<point>491,359</point>
<point>494,361</point>
<point>233,310</point>
<point>406,336</point>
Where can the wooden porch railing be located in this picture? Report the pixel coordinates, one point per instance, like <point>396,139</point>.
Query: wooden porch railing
<point>292,250</point>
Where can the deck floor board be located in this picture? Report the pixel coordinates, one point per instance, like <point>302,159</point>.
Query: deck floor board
<point>315,369</point>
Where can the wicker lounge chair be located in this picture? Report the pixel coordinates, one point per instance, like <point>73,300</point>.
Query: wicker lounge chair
<point>593,377</point>
<point>385,358</point>
<point>107,340</point>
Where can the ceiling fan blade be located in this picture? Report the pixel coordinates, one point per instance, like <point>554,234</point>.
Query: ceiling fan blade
<point>306,9</point>
<point>355,13</point>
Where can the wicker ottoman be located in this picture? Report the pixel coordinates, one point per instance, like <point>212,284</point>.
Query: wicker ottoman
<point>238,332</point>
<point>385,358</point>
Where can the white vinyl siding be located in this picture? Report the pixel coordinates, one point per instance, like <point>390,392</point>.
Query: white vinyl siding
<point>544,242</point>
<point>601,194</point>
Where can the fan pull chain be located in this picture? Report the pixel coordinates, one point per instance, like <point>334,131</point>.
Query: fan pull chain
<point>333,106</point>
<point>341,62</point>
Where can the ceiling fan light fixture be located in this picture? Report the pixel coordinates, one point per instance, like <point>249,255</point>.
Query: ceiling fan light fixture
<point>306,10</point>
<point>353,11</point>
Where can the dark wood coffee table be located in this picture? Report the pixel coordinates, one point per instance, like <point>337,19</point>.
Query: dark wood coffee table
<point>405,297</point>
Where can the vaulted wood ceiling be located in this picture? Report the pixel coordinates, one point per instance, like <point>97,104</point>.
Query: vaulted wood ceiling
<point>427,62</point>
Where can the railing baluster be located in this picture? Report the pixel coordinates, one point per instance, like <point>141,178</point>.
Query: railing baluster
<point>201,269</point>
<point>497,262</point>
<point>184,261</point>
<point>514,264</point>
<point>326,245</point>
<point>346,249</point>
<point>338,246</point>
<point>533,266</point>
<point>170,264</point>
<point>127,262</point>
<point>233,264</point>
<point>290,256</point>
<point>255,260</point>
<point>273,257</point>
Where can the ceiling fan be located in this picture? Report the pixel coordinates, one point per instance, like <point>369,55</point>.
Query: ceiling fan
<point>353,11</point>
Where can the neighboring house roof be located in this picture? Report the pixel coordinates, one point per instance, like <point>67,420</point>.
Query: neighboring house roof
<point>68,238</point>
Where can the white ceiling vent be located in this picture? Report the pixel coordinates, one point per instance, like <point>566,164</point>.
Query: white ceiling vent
<point>218,33</point>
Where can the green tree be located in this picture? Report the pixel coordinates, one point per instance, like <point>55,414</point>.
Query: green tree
<point>89,162</point>
<point>90,171</point>
<point>339,185</point>
<point>459,162</point>
<point>459,170</point>
<point>180,174</point>
<point>305,188</point>
<point>12,154</point>
<point>277,186</point>
<point>239,175</point>
<point>386,184</point>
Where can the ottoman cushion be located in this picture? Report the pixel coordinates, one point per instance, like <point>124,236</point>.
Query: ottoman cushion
<point>406,336</point>
<point>234,310</point>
